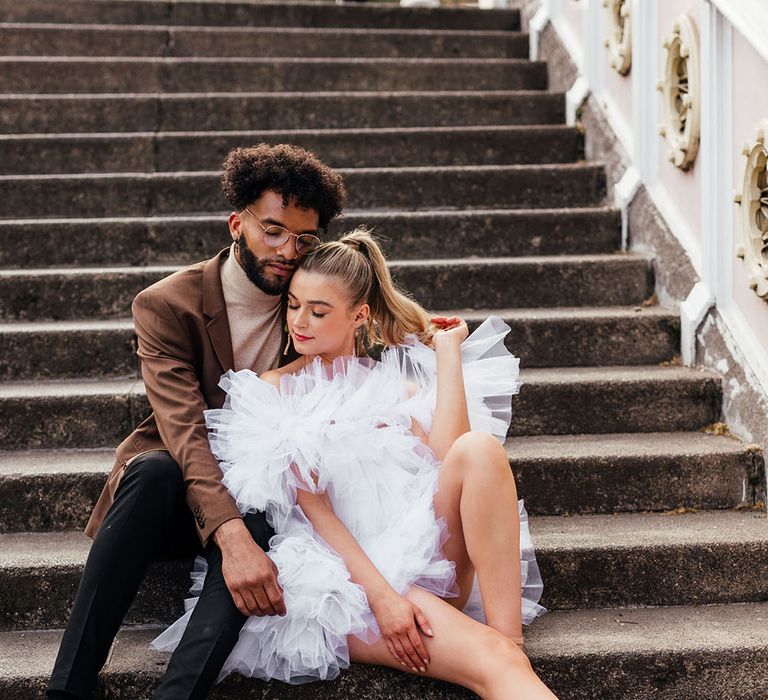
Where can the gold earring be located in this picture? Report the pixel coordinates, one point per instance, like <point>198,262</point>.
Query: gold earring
<point>288,342</point>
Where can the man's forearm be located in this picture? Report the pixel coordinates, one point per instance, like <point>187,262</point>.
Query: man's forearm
<point>230,534</point>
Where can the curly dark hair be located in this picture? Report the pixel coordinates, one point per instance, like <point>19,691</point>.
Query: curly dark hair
<point>294,172</point>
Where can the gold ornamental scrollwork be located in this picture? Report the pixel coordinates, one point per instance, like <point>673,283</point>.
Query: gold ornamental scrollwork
<point>681,93</point>
<point>753,201</point>
<point>619,39</point>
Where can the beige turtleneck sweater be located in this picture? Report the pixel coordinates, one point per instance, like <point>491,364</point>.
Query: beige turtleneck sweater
<point>255,322</point>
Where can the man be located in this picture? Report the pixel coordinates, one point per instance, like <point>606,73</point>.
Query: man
<point>164,497</point>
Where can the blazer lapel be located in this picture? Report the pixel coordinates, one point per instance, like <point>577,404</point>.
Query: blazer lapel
<point>215,311</point>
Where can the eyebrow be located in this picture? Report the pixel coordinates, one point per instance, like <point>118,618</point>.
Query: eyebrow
<point>313,301</point>
<point>270,220</point>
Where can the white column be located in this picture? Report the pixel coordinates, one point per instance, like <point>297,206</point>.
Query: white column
<point>645,75</point>
<point>594,51</point>
<point>716,165</point>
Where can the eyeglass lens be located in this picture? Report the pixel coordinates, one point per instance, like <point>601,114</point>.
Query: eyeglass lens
<point>276,236</point>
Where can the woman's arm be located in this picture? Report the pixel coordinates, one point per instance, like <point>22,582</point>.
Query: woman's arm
<point>451,418</point>
<point>398,618</point>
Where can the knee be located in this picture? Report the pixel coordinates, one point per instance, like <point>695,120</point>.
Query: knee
<point>476,446</point>
<point>154,471</point>
<point>481,456</point>
<point>502,652</point>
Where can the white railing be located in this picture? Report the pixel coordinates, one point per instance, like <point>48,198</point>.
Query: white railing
<point>749,18</point>
<point>710,249</point>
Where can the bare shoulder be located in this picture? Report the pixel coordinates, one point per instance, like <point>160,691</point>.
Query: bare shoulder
<point>273,375</point>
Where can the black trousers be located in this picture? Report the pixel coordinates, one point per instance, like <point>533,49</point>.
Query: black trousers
<point>149,519</point>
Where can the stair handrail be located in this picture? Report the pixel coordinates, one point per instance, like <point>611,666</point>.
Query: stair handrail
<point>749,18</point>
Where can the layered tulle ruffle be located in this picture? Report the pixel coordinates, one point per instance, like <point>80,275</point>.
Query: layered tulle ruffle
<point>345,430</point>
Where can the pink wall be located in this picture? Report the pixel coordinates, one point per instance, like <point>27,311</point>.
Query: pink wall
<point>570,21</point>
<point>684,187</point>
<point>619,89</point>
<point>750,104</point>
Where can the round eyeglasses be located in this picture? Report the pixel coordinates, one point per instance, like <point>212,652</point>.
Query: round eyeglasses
<point>275,236</point>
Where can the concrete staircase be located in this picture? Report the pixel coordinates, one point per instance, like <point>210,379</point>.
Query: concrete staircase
<point>115,115</point>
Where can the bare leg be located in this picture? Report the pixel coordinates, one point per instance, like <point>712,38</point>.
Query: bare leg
<point>464,652</point>
<point>478,498</point>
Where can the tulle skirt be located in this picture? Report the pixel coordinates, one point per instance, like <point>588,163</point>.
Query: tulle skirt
<point>324,606</point>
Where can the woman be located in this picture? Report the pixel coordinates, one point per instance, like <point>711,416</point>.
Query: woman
<point>396,513</point>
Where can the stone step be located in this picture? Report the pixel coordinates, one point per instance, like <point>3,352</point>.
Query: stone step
<point>70,414</point>
<point>256,14</point>
<point>347,148</point>
<point>652,558</point>
<point>100,413</point>
<point>559,337</point>
<point>43,490</point>
<point>586,561</point>
<point>584,280</point>
<point>627,472</point>
<point>68,350</point>
<point>707,652</point>
<point>585,337</point>
<point>21,114</point>
<point>454,187</point>
<point>405,235</point>
<point>620,399</point>
<point>38,39</point>
<point>36,74</point>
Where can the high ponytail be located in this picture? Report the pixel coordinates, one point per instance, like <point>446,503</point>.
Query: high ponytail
<point>358,261</point>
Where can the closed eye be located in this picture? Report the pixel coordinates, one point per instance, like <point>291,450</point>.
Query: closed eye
<point>314,313</point>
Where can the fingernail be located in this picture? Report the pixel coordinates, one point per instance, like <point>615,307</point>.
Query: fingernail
<point>422,669</point>
<point>402,663</point>
<point>430,632</point>
<point>426,663</point>
<point>415,670</point>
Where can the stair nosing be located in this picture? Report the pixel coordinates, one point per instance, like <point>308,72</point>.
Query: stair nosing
<point>550,533</point>
<point>534,313</point>
<point>540,448</point>
<point>615,374</point>
<point>170,60</point>
<point>383,130</point>
<point>205,28</point>
<point>411,169</point>
<point>597,210</point>
<point>588,258</point>
<point>167,96</point>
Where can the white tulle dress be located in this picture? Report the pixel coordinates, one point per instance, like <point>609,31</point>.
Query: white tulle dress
<point>345,429</point>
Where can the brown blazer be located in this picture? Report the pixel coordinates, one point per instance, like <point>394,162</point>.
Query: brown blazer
<point>185,346</point>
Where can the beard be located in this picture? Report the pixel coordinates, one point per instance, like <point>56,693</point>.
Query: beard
<point>255,269</point>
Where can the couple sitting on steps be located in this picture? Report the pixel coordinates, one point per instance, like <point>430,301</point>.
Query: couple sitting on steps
<point>343,508</point>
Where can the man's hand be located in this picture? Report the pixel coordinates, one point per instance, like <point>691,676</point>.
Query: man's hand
<point>250,575</point>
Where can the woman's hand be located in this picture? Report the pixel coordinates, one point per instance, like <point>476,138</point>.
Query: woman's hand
<point>450,328</point>
<point>399,621</point>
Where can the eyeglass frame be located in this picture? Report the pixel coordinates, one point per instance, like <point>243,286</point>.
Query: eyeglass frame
<point>297,236</point>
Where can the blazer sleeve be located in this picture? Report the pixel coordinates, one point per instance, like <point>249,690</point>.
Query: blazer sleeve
<point>173,389</point>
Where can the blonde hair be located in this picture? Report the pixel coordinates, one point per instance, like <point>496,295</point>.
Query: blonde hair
<point>357,260</point>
